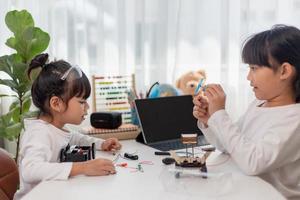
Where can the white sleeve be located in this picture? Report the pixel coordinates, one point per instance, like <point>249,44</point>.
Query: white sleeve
<point>81,139</point>
<point>36,165</point>
<point>211,137</point>
<point>276,148</point>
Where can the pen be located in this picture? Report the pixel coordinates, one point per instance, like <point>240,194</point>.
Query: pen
<point>199,86</point>
<point>162,153</point>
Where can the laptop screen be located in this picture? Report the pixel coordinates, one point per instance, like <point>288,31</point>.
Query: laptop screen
<point>166,118</point>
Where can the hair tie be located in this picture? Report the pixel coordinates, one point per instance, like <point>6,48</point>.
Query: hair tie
<point>40,60</point>
<point>44,65</point>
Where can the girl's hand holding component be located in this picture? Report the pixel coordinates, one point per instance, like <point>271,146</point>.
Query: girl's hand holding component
<point>200,110</point>
<point>216,98</point>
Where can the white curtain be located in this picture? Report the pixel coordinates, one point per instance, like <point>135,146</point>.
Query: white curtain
<point>158,40</point>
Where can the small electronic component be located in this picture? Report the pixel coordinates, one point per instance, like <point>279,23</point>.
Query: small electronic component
<point>139,168</point>
<point>131,156</point>
<point>190,161</point>
<point>168,160</point>
<point>199,86</point>
<point>76,153</point>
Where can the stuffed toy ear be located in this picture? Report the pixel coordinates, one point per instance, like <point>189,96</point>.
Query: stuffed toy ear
<point>177,84</point>
<point>202,72</point>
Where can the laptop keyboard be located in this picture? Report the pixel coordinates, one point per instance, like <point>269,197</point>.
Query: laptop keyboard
<point>175,144</point>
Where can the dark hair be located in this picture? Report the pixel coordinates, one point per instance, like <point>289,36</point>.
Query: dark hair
<point>49,83</point>
<point>273,47</point>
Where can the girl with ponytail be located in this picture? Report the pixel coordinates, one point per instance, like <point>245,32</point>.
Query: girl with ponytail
<point>265,141</point>
<point>59,92</point>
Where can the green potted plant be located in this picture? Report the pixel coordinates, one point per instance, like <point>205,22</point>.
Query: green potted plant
<point>28,41</point>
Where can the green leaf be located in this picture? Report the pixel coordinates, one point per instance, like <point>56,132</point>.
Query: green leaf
<point>22,88</point>
<point>14,130</point>
<point>36,40</point>
<point>9,83</point>
<point>26,95</point>
<point>32,41</point>
<point>14,104</point>
<point>15,69</point>
<point>30,114</point>
<point>4,65</point>
<point>16,58</point>
<point>2,133</point>
<point>8,95</point>
<point>16,114</point>
<point>11,42</point>
<point>6,118</point>
<point>28,40</point>
<point>18,71</point>
<point>18,21</point>
<point>18,68</point>
<point>4,95</point>
<point>26,105</point>
<point>14,109</point>
<point>10,138</point>
<point>3,125</point>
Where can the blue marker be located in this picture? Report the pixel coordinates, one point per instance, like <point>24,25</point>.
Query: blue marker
<point>199,86</point>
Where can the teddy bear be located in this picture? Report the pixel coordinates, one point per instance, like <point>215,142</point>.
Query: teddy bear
<point>188,82</point>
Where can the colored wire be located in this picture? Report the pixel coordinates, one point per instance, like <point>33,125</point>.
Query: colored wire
<point>146,162</point>
<point>116,158</point>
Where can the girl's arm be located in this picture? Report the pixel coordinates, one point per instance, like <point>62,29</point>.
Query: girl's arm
<point>81,139</point>
<point>200,112</point>
<point>35,165</point>
<point>277,147</point>
<point>211,137</point>
<point>106,145</point>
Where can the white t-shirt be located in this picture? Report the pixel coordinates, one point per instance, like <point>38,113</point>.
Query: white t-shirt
<point>264,142</point>
<point>40,147</point>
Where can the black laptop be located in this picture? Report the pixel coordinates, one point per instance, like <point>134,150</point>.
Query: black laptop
<point>164,119</point>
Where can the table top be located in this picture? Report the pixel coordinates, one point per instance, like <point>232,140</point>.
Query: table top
<point>158,181</point>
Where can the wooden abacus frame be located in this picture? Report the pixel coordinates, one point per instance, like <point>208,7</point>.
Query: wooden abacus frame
<point>110,92</point>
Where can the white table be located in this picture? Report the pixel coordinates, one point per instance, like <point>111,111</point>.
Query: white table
<point>157,182</point>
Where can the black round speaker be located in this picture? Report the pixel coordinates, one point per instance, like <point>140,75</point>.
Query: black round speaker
<point>109,120</point>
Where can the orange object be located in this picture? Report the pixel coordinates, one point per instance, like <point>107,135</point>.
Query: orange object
<point>122,165</point>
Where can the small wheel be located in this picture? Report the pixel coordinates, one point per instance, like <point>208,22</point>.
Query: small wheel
<point>177,175</point>
<point>204,170</point>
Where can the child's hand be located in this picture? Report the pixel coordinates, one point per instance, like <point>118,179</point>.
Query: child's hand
<point>111,144</point>
<point>216,98</point>
<point>200,110</point>
<point>99,167</point>
<point>96,167</point>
